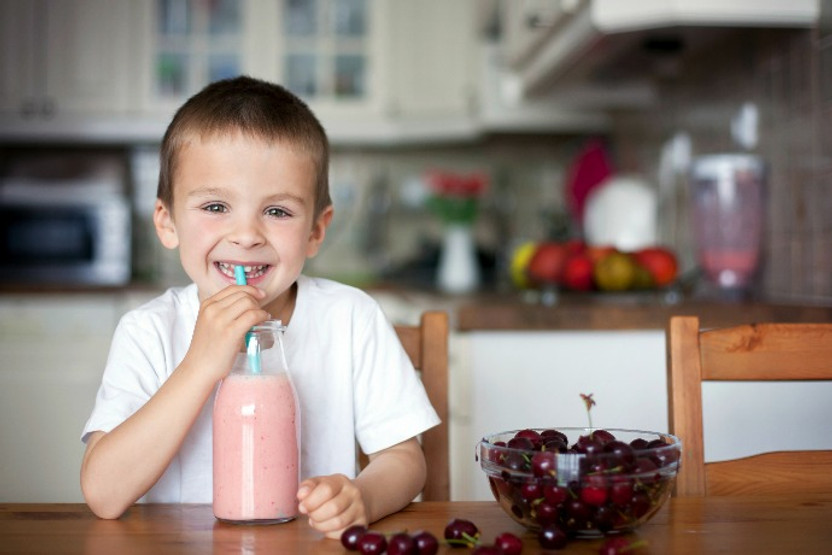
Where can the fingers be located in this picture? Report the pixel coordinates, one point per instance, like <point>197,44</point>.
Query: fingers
<point>236,305</point>
<point>332,504</point>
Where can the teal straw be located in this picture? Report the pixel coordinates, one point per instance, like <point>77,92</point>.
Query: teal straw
<point>252,344</point>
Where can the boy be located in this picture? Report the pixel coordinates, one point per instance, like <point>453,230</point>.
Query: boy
<point>244,181</point>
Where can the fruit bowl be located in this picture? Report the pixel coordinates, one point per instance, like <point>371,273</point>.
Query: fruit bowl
<point>587,481</point>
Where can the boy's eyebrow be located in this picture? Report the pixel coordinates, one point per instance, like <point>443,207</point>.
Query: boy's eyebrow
<point>286,196</point>
<point>206,192</point>
<point>219,191</point>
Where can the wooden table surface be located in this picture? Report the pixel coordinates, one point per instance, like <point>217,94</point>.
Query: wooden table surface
<point>759,524</point>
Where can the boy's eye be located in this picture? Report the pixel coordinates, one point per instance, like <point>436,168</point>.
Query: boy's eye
<point>277,212</point>
<point>214,207</point>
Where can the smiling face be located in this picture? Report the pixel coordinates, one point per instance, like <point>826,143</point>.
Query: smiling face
<point>243,201</point>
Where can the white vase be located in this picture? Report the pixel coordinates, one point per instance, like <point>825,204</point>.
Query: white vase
<point>458,270</point>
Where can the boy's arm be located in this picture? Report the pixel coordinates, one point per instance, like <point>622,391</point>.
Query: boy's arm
<point>122,465</point>
<point>393,477</point>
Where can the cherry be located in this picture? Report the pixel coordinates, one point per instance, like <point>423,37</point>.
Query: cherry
<point>461,533</point>
<point>602,436</point>
<point>546,434</point>
<point>646,470</point>
<point>531,491</point>
<point>552,536</point>
<point>594,491</point>
<point>604,518</point>
<point>639,444</point>
<point>509,543</point>
<point>588,446</point>
<point>372,543</point>
<point>554,444</point>
<point>351,536</point>
<point>514,461</point>
<point>555,495</point>
<point>577,513</point>
<point>621,491</point>
<point>623,453</point>
<point>544,464</point>
<point>520,443</point>
<point>640,504</point>
<point>546,513</point>
<point>426,543</point>
<point>401,544</point>
<point>529,434</point>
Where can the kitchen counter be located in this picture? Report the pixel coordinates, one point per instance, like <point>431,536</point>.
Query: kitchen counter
<point>621,312</point>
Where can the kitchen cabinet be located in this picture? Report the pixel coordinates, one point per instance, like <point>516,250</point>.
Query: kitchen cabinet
<point>592,44</point>
<point>54,348</point>
<point>65,59</point>
<point>365,67</point>
<point>187,44</point>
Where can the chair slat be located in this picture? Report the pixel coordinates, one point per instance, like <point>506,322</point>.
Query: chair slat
<point>774,473</point>
<point>768,352</point>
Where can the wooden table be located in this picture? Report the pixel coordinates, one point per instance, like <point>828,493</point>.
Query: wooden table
<point>736,525</point>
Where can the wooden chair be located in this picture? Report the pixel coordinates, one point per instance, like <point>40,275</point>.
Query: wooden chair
<point>756,352</point>
<point>427,347</point>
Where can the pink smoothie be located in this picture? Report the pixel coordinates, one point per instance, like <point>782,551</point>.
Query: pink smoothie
<point>256,459</point>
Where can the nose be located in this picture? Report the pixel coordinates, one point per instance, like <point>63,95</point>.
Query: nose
<point>247,233</point>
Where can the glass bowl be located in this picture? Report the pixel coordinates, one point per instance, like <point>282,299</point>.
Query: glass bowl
<point>588,481</point>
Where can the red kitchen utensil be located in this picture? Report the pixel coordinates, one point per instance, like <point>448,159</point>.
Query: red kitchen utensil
<point>590,168</point>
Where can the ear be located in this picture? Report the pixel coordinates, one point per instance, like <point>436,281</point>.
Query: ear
<point>165,230</point>
<point>316,237</point>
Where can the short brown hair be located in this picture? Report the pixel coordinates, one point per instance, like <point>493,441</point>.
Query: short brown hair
<point>255,108</point>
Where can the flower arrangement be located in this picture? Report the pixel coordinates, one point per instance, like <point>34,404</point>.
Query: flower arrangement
<point>455,198</point>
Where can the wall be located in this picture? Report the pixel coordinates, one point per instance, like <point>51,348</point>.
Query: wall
<point>788,75</point>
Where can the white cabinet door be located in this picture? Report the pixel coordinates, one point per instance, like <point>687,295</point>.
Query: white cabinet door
<point>17,57</point>
<point>53,349</point>
<point>432,49</point>
<point>89,61</point>
<point>65,58</point>
<point>186,44</point>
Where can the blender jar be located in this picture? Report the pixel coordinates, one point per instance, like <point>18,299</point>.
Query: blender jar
<point>727,195</point>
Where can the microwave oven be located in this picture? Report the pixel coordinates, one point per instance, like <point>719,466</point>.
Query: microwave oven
<point>68,235</point>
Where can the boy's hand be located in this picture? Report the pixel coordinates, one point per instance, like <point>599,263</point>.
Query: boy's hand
<point>221,325</point>
<point>332,503</point>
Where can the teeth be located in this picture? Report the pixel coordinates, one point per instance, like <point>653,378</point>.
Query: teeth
<point>251,271</point>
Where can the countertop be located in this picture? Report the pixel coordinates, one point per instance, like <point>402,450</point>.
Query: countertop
<point>516,311</point>
<point>621,312</point>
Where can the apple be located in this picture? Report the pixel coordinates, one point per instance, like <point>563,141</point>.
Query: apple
<point>575,246</point>
<point>547,262</point>
<point>660,263</point>
<point>577,272</point>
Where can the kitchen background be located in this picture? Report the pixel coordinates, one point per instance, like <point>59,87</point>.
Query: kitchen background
<point>513,91</point>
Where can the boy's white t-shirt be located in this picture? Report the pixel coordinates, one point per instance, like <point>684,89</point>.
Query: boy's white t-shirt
<point>352,376</point>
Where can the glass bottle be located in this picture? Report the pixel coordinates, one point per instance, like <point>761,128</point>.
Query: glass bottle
<point>257,434</point>
<point>728,204</point>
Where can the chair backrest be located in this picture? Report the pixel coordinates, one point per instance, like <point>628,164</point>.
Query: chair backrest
<point>754,352</point>
<point>427,346</point>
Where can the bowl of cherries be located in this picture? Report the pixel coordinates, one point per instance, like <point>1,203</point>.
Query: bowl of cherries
<point>582,482</point>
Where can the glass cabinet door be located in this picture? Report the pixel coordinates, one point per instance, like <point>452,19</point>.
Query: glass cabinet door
<point>326,48</point>
<point>197,42</point>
